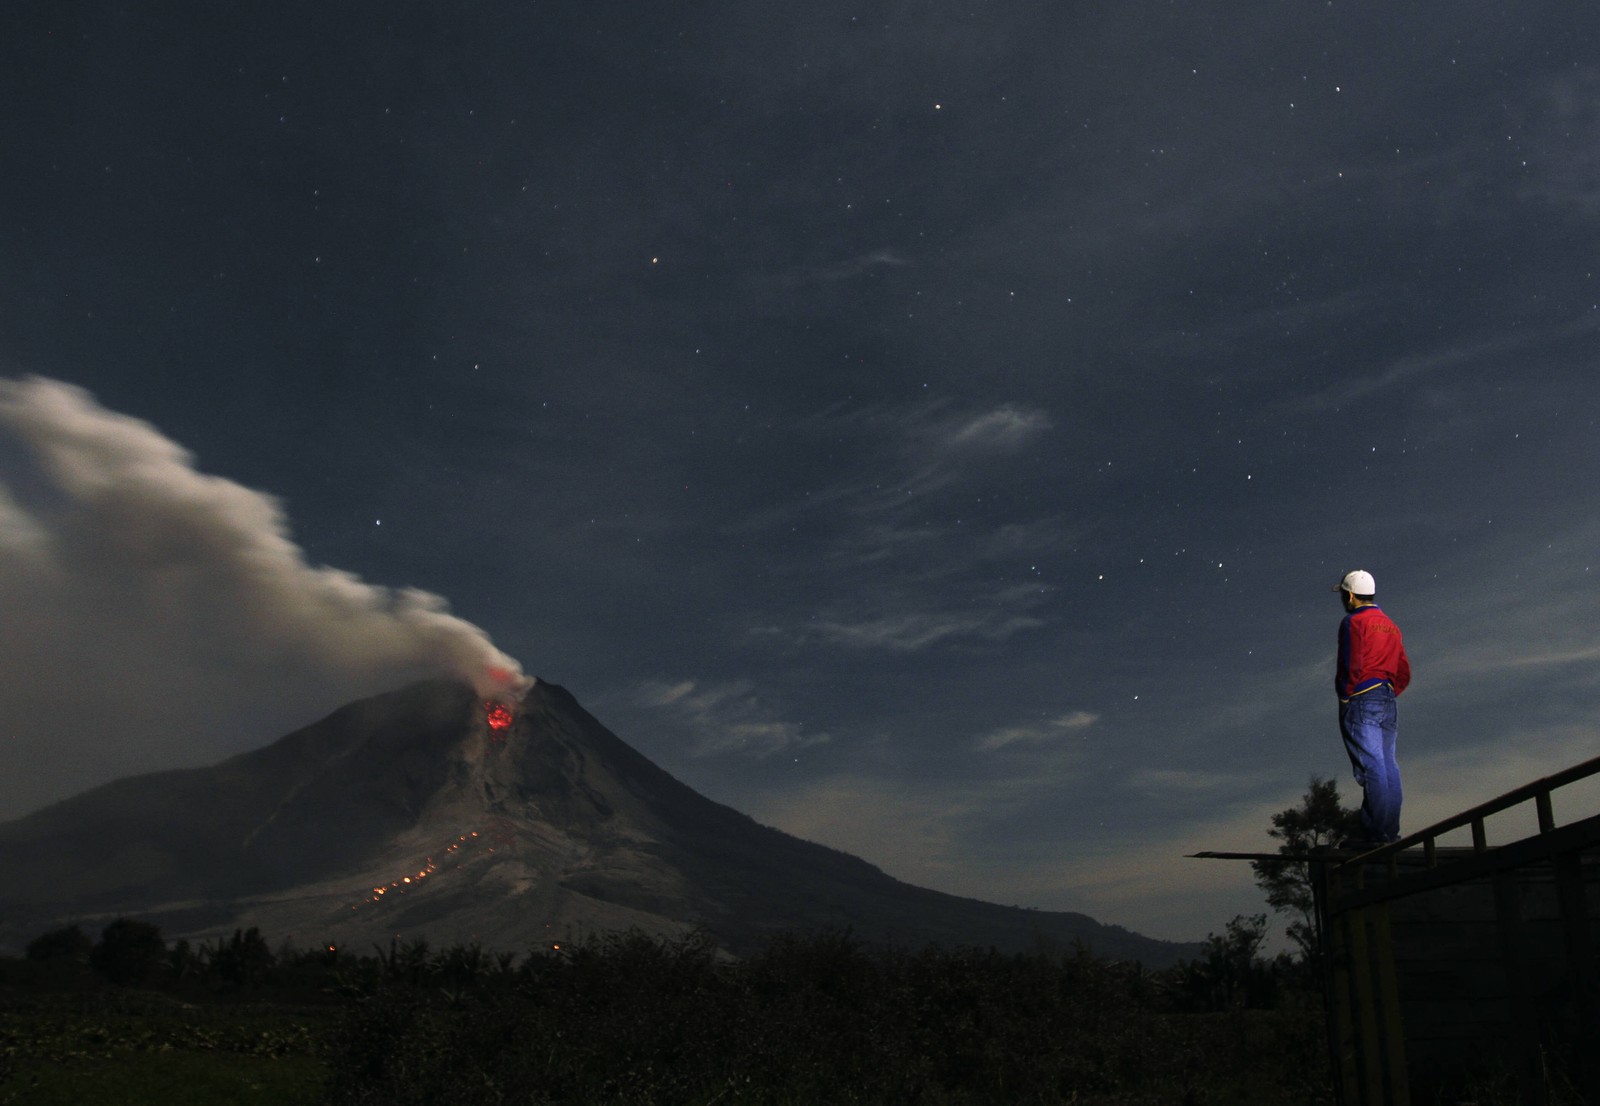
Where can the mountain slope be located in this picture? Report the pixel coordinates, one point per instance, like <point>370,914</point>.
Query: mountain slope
<point>406,814</point>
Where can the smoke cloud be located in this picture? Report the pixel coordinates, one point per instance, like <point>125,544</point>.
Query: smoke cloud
<point>153,616</point>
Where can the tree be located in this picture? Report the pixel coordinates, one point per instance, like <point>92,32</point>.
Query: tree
<point>66,948</point>
<point>1319,820</point>
<point>245,960</point>
<point>181,960</point>
<point>1230,975</point>
<point>129,952</point>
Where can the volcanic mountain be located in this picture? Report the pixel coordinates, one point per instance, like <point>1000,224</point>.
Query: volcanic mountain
<point>409,814</point>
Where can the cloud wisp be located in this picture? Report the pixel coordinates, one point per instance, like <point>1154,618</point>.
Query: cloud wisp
<point>172,608</point>
<point>910,528</point>
<point>1468,354</point>
<point>725,719</point>
<point>1006,428</point>
<point>913,631</point>
<point>1037,733</point>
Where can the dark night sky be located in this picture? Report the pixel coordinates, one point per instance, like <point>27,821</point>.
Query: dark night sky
<point>934,432</point>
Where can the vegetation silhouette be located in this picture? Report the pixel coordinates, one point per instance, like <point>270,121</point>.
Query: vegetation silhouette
<point>636,1018</point>
<point>1320,820</point>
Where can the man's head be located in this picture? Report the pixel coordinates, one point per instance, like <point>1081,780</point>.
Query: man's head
<point>1357,588</point>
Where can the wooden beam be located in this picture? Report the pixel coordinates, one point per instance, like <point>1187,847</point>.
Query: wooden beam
<point>1539,849</point>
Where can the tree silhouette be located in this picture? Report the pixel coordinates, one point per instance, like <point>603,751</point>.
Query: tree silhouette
<point>1319,820</point>
<point>129,952</point>
<point>68,945</point>
<point>245,960</point>
<point>1230,974</point>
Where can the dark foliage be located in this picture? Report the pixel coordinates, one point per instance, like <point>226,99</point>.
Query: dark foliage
<point>129,952</point>
<point>69,945</point>
<point>244,960</point>
<point>1231,975</point>
<point>1318,821</point>
<point>628,1018</point>
<point>634,1019</point>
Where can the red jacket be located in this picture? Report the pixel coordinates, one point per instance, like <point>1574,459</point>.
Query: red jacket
<point>1371,654</point>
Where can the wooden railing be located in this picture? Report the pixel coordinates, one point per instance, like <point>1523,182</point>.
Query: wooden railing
<point>1539,791</point>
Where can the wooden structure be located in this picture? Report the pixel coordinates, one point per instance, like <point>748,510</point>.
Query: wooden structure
<point>1451,969</point>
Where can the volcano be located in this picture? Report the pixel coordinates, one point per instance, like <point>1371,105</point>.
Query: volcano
<point>416,814</point>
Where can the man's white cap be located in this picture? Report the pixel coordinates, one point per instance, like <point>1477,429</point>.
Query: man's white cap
<point>1359,582</point>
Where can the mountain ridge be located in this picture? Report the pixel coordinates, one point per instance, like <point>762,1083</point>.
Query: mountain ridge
<point>405,814</point>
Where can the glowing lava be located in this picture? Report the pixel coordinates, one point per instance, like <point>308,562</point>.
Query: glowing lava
<point>499,717</point>
<point>455,856</point>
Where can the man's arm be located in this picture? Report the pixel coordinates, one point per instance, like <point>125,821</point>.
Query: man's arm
<point>1341,663</point>
<point>1402,672</point>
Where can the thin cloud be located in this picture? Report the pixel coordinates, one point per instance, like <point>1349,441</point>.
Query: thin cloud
<point>914,631</point>
<point>1555,658</point>
<point>860,265</point>
<point>1409,370</point>
<point>1037,733</point>
<point>1152,878</point>
<point>1550,615</point>
<point>724,719</point>
<point>931,835</point>
<point>1442,784</point>
<point>1008,427</point>
<point>910,455</point>
<point>1565,124</point>
<point>911,833</point>
<point>1179,781</point>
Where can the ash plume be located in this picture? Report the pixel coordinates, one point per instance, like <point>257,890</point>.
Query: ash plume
<point>152,615</point>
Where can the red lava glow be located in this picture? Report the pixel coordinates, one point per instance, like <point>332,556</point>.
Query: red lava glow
<point>499,716</point>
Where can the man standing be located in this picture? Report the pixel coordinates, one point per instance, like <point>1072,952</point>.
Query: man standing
<point>1371,671</point>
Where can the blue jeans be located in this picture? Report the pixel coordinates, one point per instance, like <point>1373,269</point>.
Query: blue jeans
<point>1369,724</point>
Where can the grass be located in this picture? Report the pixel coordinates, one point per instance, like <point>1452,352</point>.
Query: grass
<point>173,1078</point>
<point>631,1020</point>
<point>132,1048</point>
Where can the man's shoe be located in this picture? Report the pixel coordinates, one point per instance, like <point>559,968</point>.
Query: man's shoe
<point>1359,845</point>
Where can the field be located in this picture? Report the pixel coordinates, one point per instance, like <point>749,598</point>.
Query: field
<point>120,1048</point>
<point>636,1020</point>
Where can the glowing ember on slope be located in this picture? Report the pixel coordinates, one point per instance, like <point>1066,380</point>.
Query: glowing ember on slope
<point>455,858</point>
